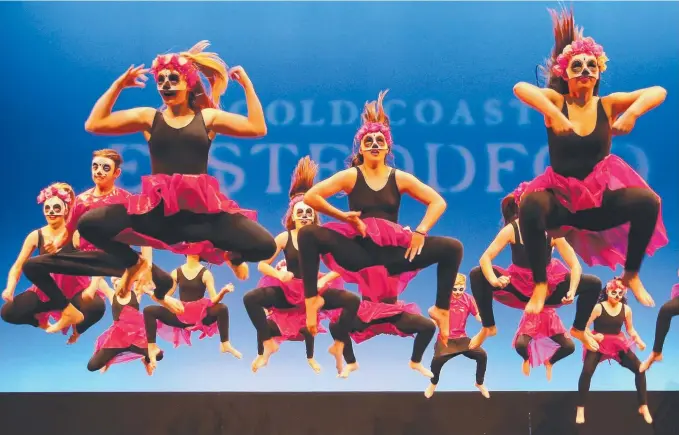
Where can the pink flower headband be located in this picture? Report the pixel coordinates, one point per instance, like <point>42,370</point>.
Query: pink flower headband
<point>176,62</point>
<point>615,284</point>
<point>294,200</point>
<point>579,46</point>
<point>373,127</point>
<point>52,191</point>
<point>280,265</point>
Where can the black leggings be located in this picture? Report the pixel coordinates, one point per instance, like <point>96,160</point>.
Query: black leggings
<point>80,263</point>
<point>216,313</point>
<point>273,297</point>
<point>243,238</point>
<point>566,347</point>
<point>662,325</point>
<point>103,356</point>
<point>541,211</point>
<point>628,360</point>
<point>24,307</point>
<point>274,331</point>
<point>479,355</point>
<point>423,328</point>
<point>359,253</point>
<point>587,293</point>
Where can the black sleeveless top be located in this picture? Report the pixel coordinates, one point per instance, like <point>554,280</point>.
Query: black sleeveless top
<point>117,307</point>
<point>575,156</point>
<point>191,290</point>
<point>519,254</point>
<point>383,203</point>
<point>179,150</point>
<point>291,255</point>
<point>607,324</point>
<point>68,247</point>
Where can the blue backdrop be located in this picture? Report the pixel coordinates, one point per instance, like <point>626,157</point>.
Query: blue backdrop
<point>457,125</point>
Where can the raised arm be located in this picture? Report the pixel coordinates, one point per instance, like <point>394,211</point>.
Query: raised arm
<point>30,243</point>
<point>316,197</point>
<point>435,203</point>
<point>264,266</point>
<point>503,238</point>
<point>568,254</point>
<point>635,103</point>
<point>545,100</point>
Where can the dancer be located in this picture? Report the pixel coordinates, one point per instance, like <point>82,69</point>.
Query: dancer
<point>35,306</point>
<point>608,317</point>
<point>369,236</point>
<point>181,207</point>
<point>125,340</point>
<point>86,260</point>
<point>176,322</point>
<point>283,289</point>
<point>461,307</point>
<point>604,208</point>
<point>662,327</point>
<point>513,287</point>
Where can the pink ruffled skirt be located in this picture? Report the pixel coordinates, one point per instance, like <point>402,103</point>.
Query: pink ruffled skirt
<point>608,247</point>
<point>294,289</point>
<point>195,193</point>
<point>70,286</point>
<point>540,327</point>
<point>612,345</point>
<point>194,313</point>
<point>370,311</point>
<point>127,331</point>
<point>522,280</point>
<point>675,291</point>
<point>291,320</point>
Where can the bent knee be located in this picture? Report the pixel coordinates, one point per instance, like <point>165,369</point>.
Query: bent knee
<point>592,281</point>
<point>220,308</point>
<point>251,297</point>
<point>6,313</point>
<point>92,367</point>
<point>533,205</point>
<point>569,347</point>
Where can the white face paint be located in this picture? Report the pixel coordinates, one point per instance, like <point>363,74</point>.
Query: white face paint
<point>54,207</point>
<point>583,66</point>
<point>303,214</point>
<point>103,170</point>
<point>374,141</point>
<point>616,295</point>
<point>458,290</point>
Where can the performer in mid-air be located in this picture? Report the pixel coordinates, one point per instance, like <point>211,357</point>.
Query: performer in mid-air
<point>181,207</point>
<point>662,327</point>
<point>608,318</point>
<point>369,238</point>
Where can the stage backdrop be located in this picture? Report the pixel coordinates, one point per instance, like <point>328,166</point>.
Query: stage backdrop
<point>450,68</point>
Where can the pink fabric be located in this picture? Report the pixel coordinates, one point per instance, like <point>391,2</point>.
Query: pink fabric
<point>611,346</point>
<point>540,327</point>
<point>369,311</point>
<point>294,289</point>
<point>196,193</point>
<point>127,331</point>
<point>70,286</point>
<point>522,279</point>
<point>291,320</point>
<point>675,291</point>
<point>87,201</point>
<point>460,309</point>
<point>609,247</point>
<point>194,313</point>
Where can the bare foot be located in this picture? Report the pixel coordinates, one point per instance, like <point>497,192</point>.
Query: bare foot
<point>652,358</point>
<point>430,391</point>
<point>154,350</point>
<point>337,351</point>
<point>643,410</point>
<point>70,316</point>
<point>479,338</point>
<point>104,369</point>
<point>270,347</point>
<point>580,415</point>
<point>418,367</point>
<point>258,363</point>
<point>548,371</point>
<point>227,348</point>
<point>242,271</point>
<point>484,391</point>
<point>586,339</point>
<point>442,319</point>
<point>140,272</point>
<point>314,365</point>
<point>74,336</point>
<point>313,306</point>
<point>631,280</point>
<point>525,368</point>
<point>537,300</point>
<point>347,370</point>
<point>149,368</point>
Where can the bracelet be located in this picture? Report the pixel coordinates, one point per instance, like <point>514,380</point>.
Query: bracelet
<point>420,233</point>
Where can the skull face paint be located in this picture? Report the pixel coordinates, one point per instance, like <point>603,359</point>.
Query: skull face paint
<point>54,208</point>
<point>303,215</point>
<point>374,141</point>
<point>458,291</point>
<point>104,171</point>
<point>583,67</point>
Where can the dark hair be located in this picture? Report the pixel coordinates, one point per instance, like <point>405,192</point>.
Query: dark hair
<point>510,209</point>
<point>302,180</point>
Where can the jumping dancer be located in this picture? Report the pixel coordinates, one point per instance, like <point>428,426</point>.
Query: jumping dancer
<point>181,207</point>
<point>604,208</point>
<point>369,236</point>
<point>176,322</point>
<point>86,259</point>
<point>513,287</point>
<point>461,307</point>
<point>283,289</point>
<point>662,327</point>
<point>125,340</point>
<point>608,317</point>
<point>35,306</point>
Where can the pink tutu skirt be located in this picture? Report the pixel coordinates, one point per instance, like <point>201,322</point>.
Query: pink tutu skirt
<point>194,313</point>
<point>195,193</point>
<point>608,247</point>
<point>522,280</point>
<point>127,331</point>
<point>540,327</point>
<point>675,291</point>
<point>291,320</point>
<point>370,311</point>
<point>611,346</point>
<point>294,289</point>
<point>375,279</point>
<point>70,286</point>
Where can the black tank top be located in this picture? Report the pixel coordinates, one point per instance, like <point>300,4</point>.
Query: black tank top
<point>179,150</point>
<point>519,254</point>
<point>117,307</point>
<point>291,255</point>
<point>191,290</point>
<point>607,324</point>
<point>575,156</point>
<point>383,203</point>
<point>68,247</point>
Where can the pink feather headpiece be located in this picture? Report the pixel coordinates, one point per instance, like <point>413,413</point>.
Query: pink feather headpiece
<point>615,284</point>
<point>374,127</point>
<point>52,191</point>
<point>176,62</point>
<point>579,46</point>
